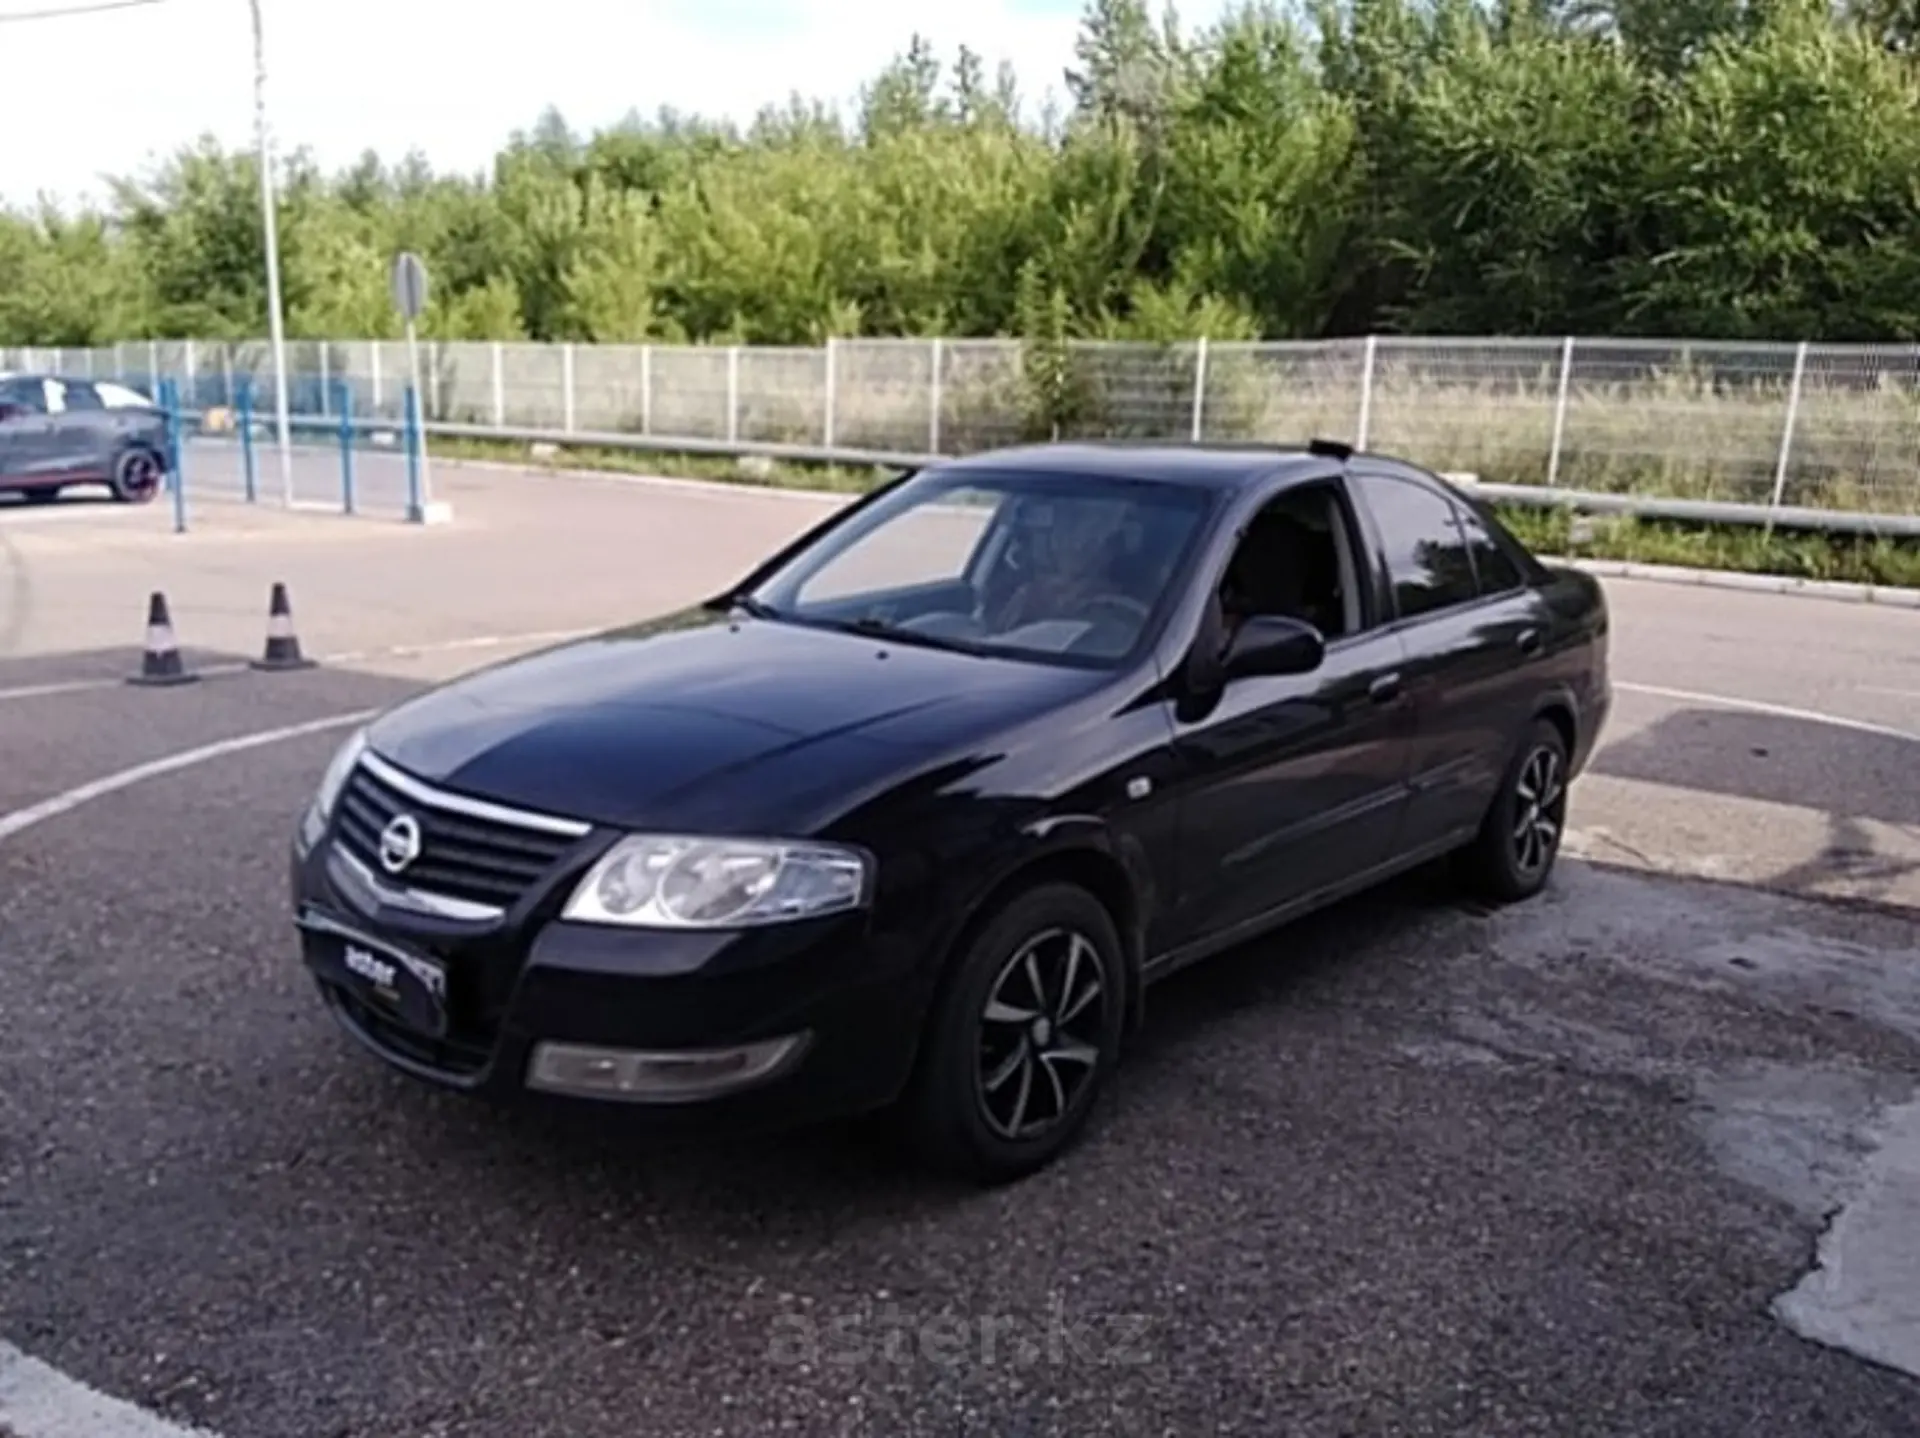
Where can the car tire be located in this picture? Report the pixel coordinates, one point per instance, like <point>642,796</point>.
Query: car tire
<point>965,1110</point>
<point>136,475</point>
<point>43,494</point>
<point>1513,855</point>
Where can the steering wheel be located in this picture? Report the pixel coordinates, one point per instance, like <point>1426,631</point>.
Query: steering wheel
<point>1115,600</point>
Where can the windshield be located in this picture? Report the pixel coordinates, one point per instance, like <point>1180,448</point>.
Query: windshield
<point>1071,568</point>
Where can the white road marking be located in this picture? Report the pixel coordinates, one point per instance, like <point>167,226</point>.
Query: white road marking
<point>351,656</point>
<point>1778,711</point>
<point>83,686</point>
<point>71,799</point>
<point>38,1401</point>
<point>41,1402</point>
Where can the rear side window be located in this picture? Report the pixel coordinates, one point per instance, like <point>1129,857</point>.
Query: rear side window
<point>1493,567</point>
<point>116,396</point>
<point>82,396</point>
<point>1424,548</point>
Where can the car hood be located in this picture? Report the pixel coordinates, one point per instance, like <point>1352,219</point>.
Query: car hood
<point>707,721</point>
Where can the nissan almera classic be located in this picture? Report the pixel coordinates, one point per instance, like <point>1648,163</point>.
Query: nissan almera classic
<point>913,816</point>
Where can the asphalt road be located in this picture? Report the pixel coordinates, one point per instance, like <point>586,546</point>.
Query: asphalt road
<point>1409,1168</point>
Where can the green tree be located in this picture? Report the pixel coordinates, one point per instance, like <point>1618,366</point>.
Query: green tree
<point>1782,187</point>
<point>1332,167</point>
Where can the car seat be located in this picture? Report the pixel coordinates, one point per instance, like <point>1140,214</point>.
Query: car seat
<point>1268,573</point>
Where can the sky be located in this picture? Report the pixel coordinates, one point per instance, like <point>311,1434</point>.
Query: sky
<point>113,92</point>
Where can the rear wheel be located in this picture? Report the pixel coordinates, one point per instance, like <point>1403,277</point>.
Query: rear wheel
<point>43,494</point>
<point>1513,855</point>
<point>1023,1040</point>
<point>136,475</point>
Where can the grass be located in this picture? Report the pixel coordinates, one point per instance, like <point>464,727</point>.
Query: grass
<point>721,469</point>
<point>1856,559</point>
<point>1740,548</point>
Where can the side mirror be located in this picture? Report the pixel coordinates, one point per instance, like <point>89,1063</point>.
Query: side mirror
<point>1272,644</point>
<point>11,411</point>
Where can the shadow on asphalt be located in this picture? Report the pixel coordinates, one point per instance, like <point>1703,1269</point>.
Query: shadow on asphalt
<point>1314,962</point>
<point>1842,774</point>
<point>71,497</point>
<point>1310,961</point>
<point>1772,758</point>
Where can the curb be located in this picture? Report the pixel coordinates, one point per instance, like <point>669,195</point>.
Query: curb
<point>1884,596</point>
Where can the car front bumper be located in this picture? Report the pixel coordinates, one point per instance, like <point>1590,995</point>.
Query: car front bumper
<point>753,1028</point>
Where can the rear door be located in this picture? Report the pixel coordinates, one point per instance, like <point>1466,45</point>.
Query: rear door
<point>1470,643</point>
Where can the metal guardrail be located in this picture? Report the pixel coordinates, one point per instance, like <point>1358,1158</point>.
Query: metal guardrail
<point>1707,511</point>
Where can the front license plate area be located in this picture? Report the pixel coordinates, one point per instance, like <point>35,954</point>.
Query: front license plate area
<point>409,988</point>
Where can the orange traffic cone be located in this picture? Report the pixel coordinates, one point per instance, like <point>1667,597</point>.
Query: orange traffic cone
<point>283,645</point>
<point>160,663</point>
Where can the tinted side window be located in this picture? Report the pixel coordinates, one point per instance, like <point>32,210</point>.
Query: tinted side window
<point>28,394</point>
<point>1427,560</point>
<point>82,396</point>
<point>1497,572</point>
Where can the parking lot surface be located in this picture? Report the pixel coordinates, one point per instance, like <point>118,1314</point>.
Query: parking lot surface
<point>1587,1165</point>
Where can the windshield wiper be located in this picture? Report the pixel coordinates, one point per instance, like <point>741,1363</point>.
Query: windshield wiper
<point>884,629</point>
<point>756,608</point>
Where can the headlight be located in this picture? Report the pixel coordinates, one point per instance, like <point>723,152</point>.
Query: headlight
<point>663,881</point>
<point>314,822</point>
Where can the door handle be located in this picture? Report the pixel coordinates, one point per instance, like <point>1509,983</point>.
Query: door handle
<point>1385,689</point>
<point>1530,641</point>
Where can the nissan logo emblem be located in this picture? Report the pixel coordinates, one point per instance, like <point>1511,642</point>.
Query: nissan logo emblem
<point>399,843</point>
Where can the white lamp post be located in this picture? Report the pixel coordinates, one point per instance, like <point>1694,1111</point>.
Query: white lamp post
<point>275,326</point>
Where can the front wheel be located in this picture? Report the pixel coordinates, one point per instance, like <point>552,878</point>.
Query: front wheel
<point>136,476</point>
<point>1513,855</point>
<point>1022,1042</point>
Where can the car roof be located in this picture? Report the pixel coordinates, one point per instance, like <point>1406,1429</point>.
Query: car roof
<point>1206,466</point>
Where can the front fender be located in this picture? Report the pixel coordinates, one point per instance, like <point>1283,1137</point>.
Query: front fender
<point>1081,848</point>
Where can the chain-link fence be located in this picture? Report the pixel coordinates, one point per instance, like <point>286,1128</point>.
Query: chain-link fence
<point>1822,426</point>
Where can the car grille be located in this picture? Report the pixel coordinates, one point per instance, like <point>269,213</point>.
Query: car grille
<point>467,855</point>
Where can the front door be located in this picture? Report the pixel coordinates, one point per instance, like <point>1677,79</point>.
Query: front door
<point>23,429</point>
<point>1294,784</point>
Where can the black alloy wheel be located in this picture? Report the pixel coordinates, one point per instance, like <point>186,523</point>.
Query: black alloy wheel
<point>1023,1038</point>
<point>1519,841</point>
<point>136,475</point>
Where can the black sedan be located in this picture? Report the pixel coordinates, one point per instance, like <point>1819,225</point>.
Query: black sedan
<point>912,817</point>
<point>56,432</point>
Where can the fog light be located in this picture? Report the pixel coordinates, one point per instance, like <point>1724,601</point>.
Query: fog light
<point>664,1076</point>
